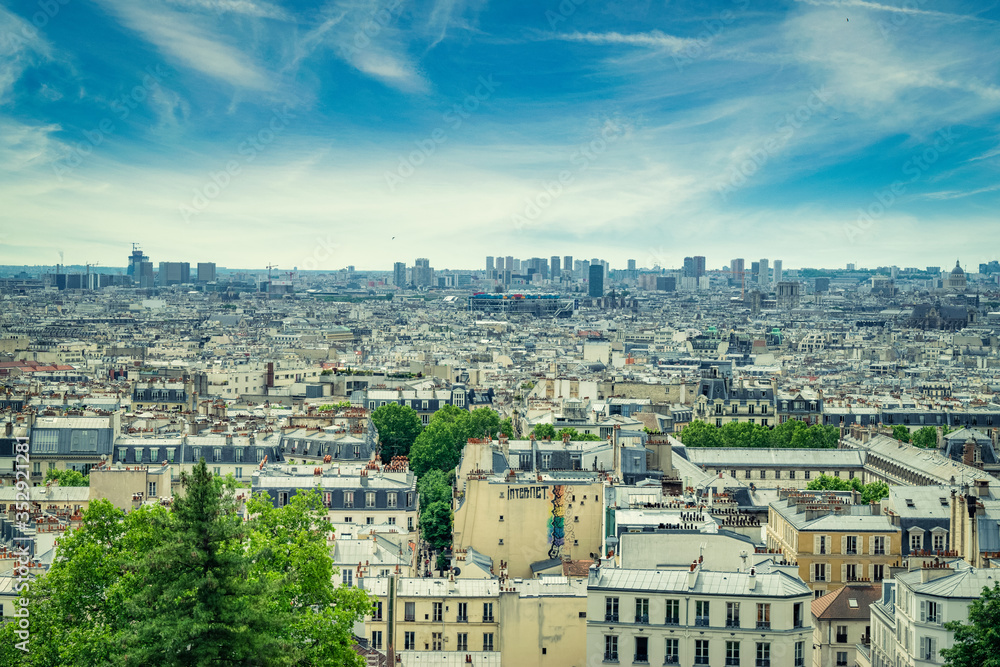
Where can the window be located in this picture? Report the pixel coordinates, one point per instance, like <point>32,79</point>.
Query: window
<point>797,615</point>
<point>435,641</point>
<point>409,641</point>
<point>409,499</point>
<point>819,571</point>
<point>217,454</point>
<point>216,471</point>
<point>732,653</point>
<point>238,452</point>
<point>701,652</point>
<point>641,649</point>
<point>701,612</point>
<point>409,611</point>
<point>878,572</point>
<point>196,454</point>
<point>878,545</point>
<point>841,636</point>
<point>463,612</point>
<point>348,499</point>
<point>672,656</point>
<point>462,643</point>
<point>438,606</point>
<point>642,610</point>
<point>763,474</point>
<point>928,648</point>
<point>611,610</point>
<point>610,648</point>
<point>44,441</point>
<point>238,473</point>
<point>763,616</point>
<point>850,572</point>
<point>391,500</point>
<point>377,615</point>
<point>799,654</point>
<point>488,641</point>
<point>851,544</point>
<point>747,475</point>
<point>171,453</point>
<point>348,576</point>
<point>841,658</point>
<point>154,454</point>
<point>673,612</point>
<point>822,545</point>
<point>487,612</point>
<point>376,639</point>
<point>930,612</point>
<point>791,474</point>
<point>122,451</point>
<point>916,541</point>
<point>732,614</point>
<point>546,461</point>
<point>763,654</point>
<point>370,499</point>
<point>152,489</point>
<point>409,523</point>
<point>939,544</point>
<point>806,474</point>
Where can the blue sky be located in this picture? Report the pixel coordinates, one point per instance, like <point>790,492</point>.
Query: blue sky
<point>318,135</point>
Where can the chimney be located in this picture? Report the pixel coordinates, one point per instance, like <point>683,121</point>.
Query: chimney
<point>752,579</point>
<point>693,574</point>
<point>8,429</point>
<point>981,488</point>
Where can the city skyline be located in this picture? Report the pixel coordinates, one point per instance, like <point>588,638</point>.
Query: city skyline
<point>354,133</point>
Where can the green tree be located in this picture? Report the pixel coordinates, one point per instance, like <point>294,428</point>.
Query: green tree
<point>507,427</point>
<point>194,585</point>
<point>67,477</point>
<point>398,427</point>
<point>482,422</point>
<point>543,431</point>
<point>874,492</point>
<point>977,643</point>
<point>434,487</point>
<point>576,435</point>
<point>435,524</point>
<point>438,447</point>
<point>901,433</point>
<point>744,434</point>
<point>925,437</point>
<point>700,434</point>
<point>830,483</point>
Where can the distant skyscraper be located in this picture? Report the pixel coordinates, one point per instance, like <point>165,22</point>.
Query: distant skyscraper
<point>736,269</point>
<point>631,265</point>
<point>174,273</point>
<point>777,271</point>
<point>423,274</point>
<point>509,265</point>
<point>689,267</point>
<point>699,266</point>
<point>399,274</point>
<point>595,287</point>
<point>554,268</point>
<point>763,273</point>
<point>567,263</point>
<point>489,265</point>
<point>517,265</point>
<point>134,260</point>
<point>850,267</point>
<point>206,272</point>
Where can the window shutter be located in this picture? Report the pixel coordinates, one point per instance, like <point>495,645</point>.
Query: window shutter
<point>923,611</point>
<point>812,573</point>
<point>815,544</point>
<point>843,544</point>
<point>843,573</point>
<point>871,572</point>
<point>871,545</point>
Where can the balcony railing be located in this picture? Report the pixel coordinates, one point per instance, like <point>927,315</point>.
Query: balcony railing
<point>462,619</point>
<point>763,625</point>
<point>733,623</point>
<point>672,660</point>
<point>763,662</point>
<point>701,620</point>
<point>672,620</point>
<point>409,617</point>
<point>642,618</point>
<point>610,618</point>
<point>641,657</point>
<point>610,657</point>
<point>732,662</point>
<point>841,639</point>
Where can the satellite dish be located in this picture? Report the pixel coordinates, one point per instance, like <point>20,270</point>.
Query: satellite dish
<point>457,571</point>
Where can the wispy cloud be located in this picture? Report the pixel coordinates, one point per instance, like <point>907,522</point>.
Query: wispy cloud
<point>653,39</point>
<point>191,43</point>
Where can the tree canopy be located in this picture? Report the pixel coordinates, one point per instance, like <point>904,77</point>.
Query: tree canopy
<point>398,427</point>
<point>439,446</point>
<point>925,437</point>
<point>67,477</point>
<point>977,643</point>
<point>791,434</point>
<point>901,433</point>
<point>870,493</point>
<point>193,585</point>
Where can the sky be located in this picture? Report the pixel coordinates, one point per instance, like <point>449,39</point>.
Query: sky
<point>317,135</point>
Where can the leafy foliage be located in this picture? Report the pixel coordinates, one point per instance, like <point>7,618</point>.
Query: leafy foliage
<point>507,427</point>
<point>870,493</point>
<point>901,433</point>
<point>925,437</point>
<point>576,435</point>
<point>792,434</point>
<point>194,585</point>
<point>545,431</point>
<point>398,427</point>
<point>440,445</point>
<point>67,477</point>
<point>977,643</point>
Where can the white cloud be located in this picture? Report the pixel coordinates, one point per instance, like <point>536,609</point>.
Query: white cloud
<point>653,39</point>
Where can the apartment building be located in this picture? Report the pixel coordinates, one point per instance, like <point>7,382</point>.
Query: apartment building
<point>832,541</point>
<point>698,617</point>
<point>842,621</point>
<point>908,620</point>
<point>529,623</point>
<point>722,400</point>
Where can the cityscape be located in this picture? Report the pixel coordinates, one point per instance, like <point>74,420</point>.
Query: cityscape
<point>459,333</point>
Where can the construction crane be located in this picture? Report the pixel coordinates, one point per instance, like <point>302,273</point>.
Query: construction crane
<point>269,267</point>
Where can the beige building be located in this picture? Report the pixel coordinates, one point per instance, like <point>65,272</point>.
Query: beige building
<point>127,487</point>
<point>697,617</point>
<point>832,541</point>
<point>531,623</point>
<point>841,621</point>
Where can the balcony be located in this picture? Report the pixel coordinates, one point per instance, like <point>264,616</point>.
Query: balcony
<point>732,662</point>
<point>610,657</point>
<point>733,623</point>
<point>701,621</point>
<point>672,660</point>
<point>642,619</point>
<point>701,660</point>
<point>763,662</point>
<point>462,619</point>
<point>841,639</point>
<point>763,625</point>
<point>641,658</point>
<point>409,617</point>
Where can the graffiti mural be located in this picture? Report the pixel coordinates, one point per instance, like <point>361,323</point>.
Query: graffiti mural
<point>557,521</point>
